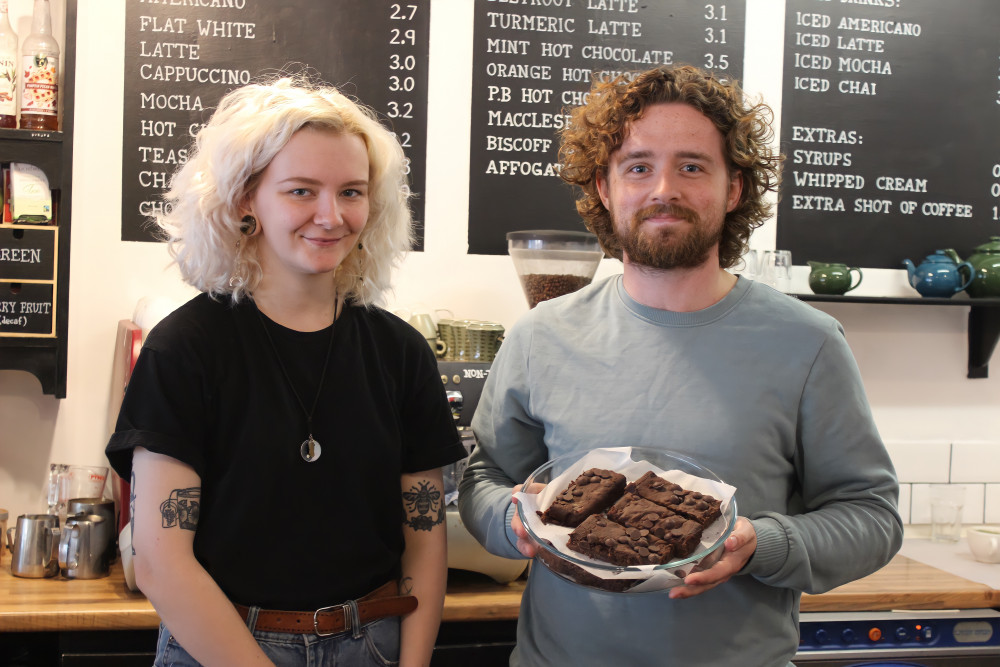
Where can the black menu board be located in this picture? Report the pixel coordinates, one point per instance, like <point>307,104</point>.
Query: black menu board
<point>891,128</point>
<point>534,59</point>
<point>181,58</point>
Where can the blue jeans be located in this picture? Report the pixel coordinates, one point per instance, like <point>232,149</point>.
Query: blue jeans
<point>373,645</point>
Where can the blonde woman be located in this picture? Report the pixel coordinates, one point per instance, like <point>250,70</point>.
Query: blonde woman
<point>283,434</point>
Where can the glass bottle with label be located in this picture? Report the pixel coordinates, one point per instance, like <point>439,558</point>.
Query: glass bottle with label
<point>40,73</point>
<point>8,70</point>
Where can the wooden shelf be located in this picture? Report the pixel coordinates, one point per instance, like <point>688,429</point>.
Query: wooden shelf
<point>984,321</point>
<point>52,152</point>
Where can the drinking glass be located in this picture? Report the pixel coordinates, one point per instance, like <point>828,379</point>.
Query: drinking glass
<point>776,269</point>
<point>751,265</point>
<point>947,501</point>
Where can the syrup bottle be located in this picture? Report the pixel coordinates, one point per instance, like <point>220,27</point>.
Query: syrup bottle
<point>8,70</point>
<point>40,73</point>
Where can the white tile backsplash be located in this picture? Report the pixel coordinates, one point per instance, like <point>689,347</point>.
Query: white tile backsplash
<point>926,462</point>
<point>975,462</point>
<point>992,513</point>
<point>905,492</point>
<point>972,511</point>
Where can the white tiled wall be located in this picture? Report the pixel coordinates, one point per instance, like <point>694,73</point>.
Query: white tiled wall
<point>974,465</point>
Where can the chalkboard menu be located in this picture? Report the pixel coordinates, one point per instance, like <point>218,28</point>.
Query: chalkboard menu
<point>535,59</point>
<point>890,117</point>
<point>182,57</point>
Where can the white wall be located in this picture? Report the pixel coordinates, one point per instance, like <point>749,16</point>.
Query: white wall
<point>913,358</point>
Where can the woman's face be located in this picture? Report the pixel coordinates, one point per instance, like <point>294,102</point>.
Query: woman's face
<point>311,204</point>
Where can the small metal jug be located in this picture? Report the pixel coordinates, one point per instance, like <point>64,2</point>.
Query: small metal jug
<point>32,544</point>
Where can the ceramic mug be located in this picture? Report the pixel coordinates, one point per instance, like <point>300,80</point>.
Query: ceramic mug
<point>984,542</point>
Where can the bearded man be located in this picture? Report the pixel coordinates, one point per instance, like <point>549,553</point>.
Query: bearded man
<point>674,168</point>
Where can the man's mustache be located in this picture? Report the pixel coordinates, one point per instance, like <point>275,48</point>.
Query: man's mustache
<point>672,210</point>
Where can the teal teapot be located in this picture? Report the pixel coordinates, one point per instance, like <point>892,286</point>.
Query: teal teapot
<point>985,263</point>
<point>832,278</point>
<point>939,275</point>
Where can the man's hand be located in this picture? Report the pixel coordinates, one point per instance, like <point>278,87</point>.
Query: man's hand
<point>525,544</point>
<point>739,547</point>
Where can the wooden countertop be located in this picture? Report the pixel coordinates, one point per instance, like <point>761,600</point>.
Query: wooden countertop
<point>106,604</point>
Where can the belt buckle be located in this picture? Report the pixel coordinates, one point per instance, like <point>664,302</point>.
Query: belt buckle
<point>347,620</point>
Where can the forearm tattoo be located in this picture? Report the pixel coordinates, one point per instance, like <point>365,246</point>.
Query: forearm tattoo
<point>406,586</point>
<point>423,506</point>
<point>182,508</point>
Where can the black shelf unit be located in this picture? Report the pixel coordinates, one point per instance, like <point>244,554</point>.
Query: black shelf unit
<point>984,321</point>
<point>52,152</point>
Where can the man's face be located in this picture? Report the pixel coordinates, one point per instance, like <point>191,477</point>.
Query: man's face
<point>668,188</point>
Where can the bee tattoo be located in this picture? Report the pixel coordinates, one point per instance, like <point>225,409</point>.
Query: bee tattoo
<point>424,508</point>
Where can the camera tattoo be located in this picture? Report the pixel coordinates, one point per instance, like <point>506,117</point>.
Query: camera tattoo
<point>182,508</point>
<point>424,507</point>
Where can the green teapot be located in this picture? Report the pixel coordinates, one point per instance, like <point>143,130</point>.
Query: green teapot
<point>985,263</point>
<point>832,278</point>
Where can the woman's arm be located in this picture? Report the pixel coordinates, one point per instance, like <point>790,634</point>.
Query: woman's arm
<point>425,564</point>
<point>166,500</point>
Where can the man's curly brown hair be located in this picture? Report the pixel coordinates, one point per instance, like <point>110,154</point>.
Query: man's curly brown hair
<point>598,128</point>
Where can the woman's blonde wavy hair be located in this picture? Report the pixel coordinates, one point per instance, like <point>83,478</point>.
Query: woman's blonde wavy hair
<point>599,127</point>
<point>249,127</point>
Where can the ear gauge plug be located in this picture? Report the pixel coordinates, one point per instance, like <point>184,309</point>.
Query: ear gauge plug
<point>248,226</point>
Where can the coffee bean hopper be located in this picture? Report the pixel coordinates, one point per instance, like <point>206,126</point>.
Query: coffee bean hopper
<point>551,263</point>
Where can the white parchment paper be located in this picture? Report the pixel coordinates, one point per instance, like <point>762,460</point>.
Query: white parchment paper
<point>619,459</point>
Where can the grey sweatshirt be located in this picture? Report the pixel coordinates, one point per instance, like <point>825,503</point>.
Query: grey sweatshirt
<point>761,389</point>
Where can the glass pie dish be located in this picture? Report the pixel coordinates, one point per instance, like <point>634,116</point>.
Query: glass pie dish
<point>552,477</point>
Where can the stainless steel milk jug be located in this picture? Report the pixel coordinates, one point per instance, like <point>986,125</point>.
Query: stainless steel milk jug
<point>81,550</point>
<point>32,543</point>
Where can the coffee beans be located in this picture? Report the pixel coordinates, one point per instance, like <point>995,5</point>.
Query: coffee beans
<point>544,286</point>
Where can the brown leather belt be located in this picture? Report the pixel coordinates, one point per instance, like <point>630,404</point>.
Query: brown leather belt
<point>380,603</point>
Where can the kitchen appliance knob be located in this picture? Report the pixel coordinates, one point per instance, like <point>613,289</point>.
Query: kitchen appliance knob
<point>902,634</point>
<point>822,636</point>
<point>847,636</point>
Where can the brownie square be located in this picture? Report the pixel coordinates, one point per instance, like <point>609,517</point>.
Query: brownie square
<point>652,487</point>
<point>699,507</point>
<point>603,539</point>
<point>684,535</point>
<point>591,493</point>
<point>635,511</point>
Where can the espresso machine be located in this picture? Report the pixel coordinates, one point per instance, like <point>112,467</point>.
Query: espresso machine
<point>463,383</point>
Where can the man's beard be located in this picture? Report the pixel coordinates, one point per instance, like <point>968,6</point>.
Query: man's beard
<point>668,248</point>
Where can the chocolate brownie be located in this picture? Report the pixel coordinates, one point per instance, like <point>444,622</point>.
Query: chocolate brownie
<point>692,504</point>
<point>655,488</point>
<point>590,493</point>
<point>637,512</point>
<point>699,507</point>
<point>603,539</point>
<point>682,534</point>
<point>634,511</point>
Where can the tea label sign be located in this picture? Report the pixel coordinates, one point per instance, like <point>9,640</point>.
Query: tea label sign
<point>27,309</point>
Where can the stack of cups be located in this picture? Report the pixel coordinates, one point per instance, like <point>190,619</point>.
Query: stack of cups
<point>484,340</point>
<point>469,340</point>
<point>446,338</point>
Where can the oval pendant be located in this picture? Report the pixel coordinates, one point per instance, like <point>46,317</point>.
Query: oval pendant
<point>310,450</point>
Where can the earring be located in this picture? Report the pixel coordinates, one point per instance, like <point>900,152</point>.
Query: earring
<point>249,226</point>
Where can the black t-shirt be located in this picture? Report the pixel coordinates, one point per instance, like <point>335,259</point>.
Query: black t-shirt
<point>275,530</point>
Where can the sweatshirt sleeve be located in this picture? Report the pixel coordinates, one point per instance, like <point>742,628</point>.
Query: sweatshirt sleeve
<point>850,526</point>
<point>509,446</point>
